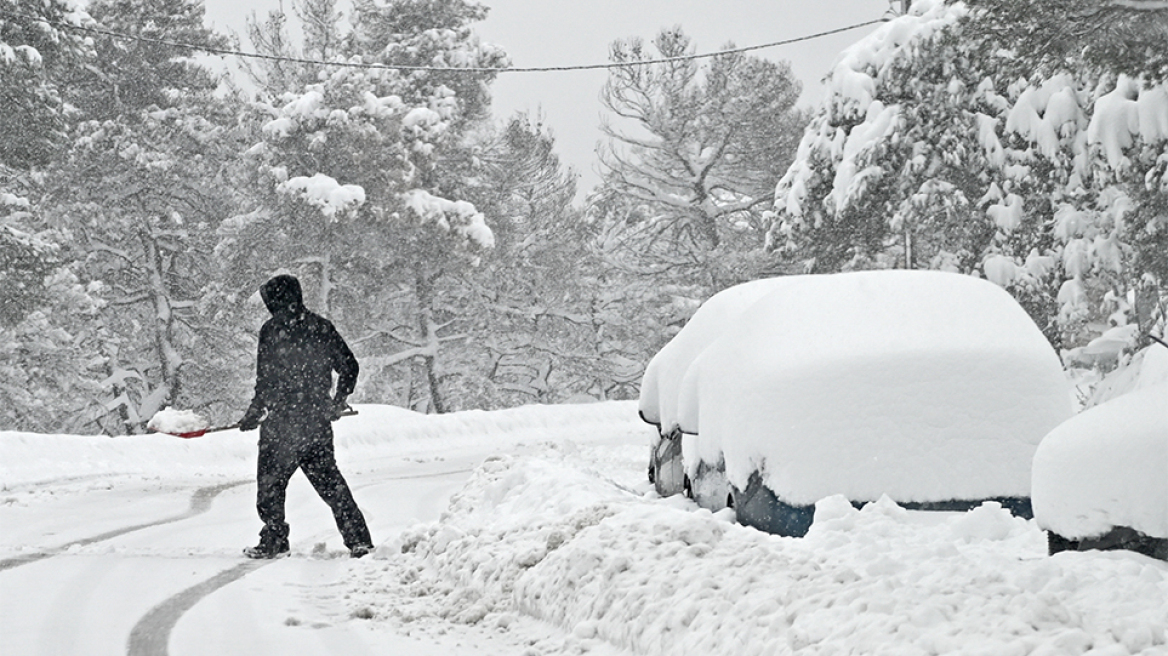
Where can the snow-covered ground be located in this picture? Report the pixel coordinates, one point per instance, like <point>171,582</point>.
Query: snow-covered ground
<point>526,531</point>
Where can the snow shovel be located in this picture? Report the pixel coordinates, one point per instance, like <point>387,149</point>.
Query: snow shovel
<point>348,412</point>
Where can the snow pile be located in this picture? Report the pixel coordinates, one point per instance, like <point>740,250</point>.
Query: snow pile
<point>564,528</point>
<point>423,117</point>
<point>325,193</point>
<point>425,126</point>
<point>175,422</point>
<point>547,537</point>
<point>658,402</point>
<point>856,73</point>
<point>310,110</point>
<point>877,125</point>
<point>10,55</point>
<point>923,385</point>
<point>12,200</point>
<point>1107,467</point>
<point>307,106</point>
<point>1041,114</point>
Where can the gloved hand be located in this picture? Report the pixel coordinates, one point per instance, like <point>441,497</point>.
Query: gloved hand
<point>339,408</point>
<point>251,418</point>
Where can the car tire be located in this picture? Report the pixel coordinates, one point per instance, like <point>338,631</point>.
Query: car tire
<point>1056,543</point>
<point>687,487</point>
<point>652,474</point>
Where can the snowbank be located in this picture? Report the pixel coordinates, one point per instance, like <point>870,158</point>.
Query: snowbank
<point>377,430</point>
<point>922,385</point>
<point>659,577</point>
<point>658,402</point>
<point>1106,467</point>
<point>564,528</point>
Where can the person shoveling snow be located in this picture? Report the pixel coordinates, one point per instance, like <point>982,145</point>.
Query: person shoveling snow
<point>298,352</point>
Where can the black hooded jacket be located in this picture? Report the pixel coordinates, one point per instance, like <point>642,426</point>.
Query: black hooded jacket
<point>298,353</point>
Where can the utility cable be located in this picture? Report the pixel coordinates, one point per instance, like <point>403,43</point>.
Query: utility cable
<point>451,69</point>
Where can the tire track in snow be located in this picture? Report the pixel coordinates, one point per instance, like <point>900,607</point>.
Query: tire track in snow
<point>151,634</point>
<point>201,501</point>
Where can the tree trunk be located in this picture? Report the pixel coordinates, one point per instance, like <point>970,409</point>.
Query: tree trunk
<point>325,286</point>
<point>169,359</point>
<point>424,292</point>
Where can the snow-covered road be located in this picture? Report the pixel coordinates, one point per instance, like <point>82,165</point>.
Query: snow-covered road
<point>135,548</point>
<point>116,565</point>
<point>526,532</point>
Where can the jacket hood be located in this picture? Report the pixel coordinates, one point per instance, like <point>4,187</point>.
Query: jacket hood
<point>282,295</point>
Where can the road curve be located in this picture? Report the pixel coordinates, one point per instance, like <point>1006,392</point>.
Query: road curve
<point>201,500</point>
<point>151,634</point>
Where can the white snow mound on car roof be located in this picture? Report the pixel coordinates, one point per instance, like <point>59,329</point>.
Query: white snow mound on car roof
<point>1106,467</point>
<point>658,403</point>
<point>923,385</point>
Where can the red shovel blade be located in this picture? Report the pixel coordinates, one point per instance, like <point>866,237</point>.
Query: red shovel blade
<point>186,435</point>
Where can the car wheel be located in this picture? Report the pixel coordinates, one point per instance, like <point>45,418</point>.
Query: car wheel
<point>652,474</point>
<point>687,487</point>
<point>1056,543</point>
<point>730,500</point>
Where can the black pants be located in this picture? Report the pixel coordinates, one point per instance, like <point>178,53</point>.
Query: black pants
<point>303,440</point>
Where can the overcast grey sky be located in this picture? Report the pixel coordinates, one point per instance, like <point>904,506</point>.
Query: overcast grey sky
<point>570,32</point>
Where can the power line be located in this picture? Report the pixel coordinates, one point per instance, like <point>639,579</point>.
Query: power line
<point>461,69</point>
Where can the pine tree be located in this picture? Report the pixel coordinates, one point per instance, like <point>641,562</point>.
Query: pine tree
<point>707,143</point>
<point>275,75</point>
<point>358,176</point>
<point>142,191</point>
<point>136,73</point>
<point>693,154</point>
<point>48,327</point>
<point>543,336</point>
<point>1122,36</point>
<point>941,147</point>
<point>39,42</point>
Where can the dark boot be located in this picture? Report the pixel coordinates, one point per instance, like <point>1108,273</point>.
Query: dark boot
<point>263,551</point>
<point>361,550</point>
<point>273,542</point>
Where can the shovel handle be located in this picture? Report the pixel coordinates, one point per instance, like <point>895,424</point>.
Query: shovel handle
<point>203,431</point>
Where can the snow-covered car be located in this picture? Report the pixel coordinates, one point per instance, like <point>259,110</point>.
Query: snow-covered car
<point>662,378</point>
<point>931,388</point>
<point>1101,477</point>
